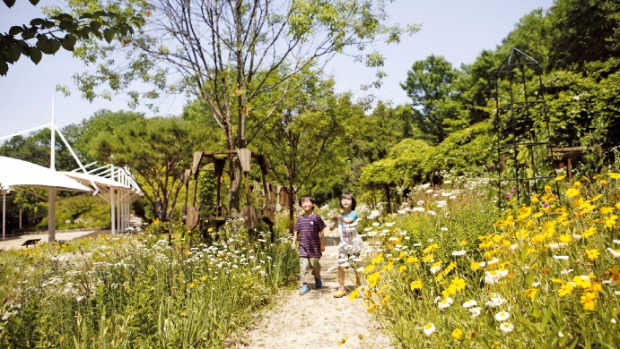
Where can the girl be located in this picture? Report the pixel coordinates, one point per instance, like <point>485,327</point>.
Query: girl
<point>348,236</point>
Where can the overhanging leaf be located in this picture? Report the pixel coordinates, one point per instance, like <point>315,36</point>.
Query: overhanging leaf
<point>9,4</point>
<point>15,30</point>
<point>68,42</point>
<point>108,34</point>
<point>35,55</point>
<point>3,67</point>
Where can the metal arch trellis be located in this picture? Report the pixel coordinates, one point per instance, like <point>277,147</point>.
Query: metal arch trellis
<point>522,149</point>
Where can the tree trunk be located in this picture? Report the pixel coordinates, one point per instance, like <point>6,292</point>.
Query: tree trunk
<point>291,208</point>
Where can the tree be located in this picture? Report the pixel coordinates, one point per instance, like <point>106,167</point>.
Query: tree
<point>306,138</point>
<point>61,30</point>
<point>230,53</point>
<point>429,85</point>
<point>158,151</point>
<point>584,31</point>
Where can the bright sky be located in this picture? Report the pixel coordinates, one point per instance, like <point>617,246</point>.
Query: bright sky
<point>458,30</point>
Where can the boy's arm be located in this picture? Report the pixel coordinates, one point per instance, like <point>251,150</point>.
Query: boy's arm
<point>322,241</point>
<point>294,239</point>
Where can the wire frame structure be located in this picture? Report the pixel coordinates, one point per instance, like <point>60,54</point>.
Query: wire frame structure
<point>523,132</point>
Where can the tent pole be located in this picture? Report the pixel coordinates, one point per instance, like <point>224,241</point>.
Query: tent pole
<point>51,216</point>
<point>112,212</point>
<point>3,214</point>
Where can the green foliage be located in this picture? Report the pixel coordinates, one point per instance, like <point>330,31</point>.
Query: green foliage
<point>136,291</point>
<point>158,151</point>
<point>584,31</point>
<point>429,85</point>
<point>62,30</point>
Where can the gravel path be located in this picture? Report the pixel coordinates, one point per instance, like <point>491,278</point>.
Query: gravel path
<point>15,242</point>
<point>316,319</point>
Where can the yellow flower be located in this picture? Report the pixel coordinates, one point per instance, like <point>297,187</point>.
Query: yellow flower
<point>606,210</point>
<point>210,230</point>
<point>572,192</point>
<point>614,175</point>
<point>369,268</point>
<point>354,293</point>
<point>428,258</point>
<point>566,238</point>
<point>372,308</point>
<point>593,254</point>
<point>431,247</point>
<point>577,184</point>
<point>457,334</point>
<point>589,233</point>
<point>416,285</point>
<point>458,283</point>
<point>596,287</point>
<point>475,266</point>
<point>588,301</point>
<point>565,289</point>
<point>610,222</point>
<point>378,259</point>
<point>402,269</point>
<point>582,281</point>
<point>191,285</point>
<point>463,243</point>
<point>412,260</point>
<point>203,278</point>
<point>343,340</point>
<point>531,293</point>
<point>402,254</point>
<point>559,178</point>
<point>373,279</point>
<point>603,182</point>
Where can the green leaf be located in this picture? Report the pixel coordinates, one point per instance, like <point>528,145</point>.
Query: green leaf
<point>29,33</point>
<point>37,21</point>
<point>55,45</point>
<point>68,42</point>
<point>3,68</point>
<point>108,34</point>
<point>35,55</point>
<point>44,44</point>
<point>95,26</point>
<point>15,30</point>
<point>9,4</point>
<point>15,52</point>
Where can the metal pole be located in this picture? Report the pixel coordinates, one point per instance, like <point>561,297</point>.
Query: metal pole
<point>3,214</point>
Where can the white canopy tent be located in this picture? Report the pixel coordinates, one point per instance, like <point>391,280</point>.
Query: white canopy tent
<point>115,185</point>
<point>14,172</point>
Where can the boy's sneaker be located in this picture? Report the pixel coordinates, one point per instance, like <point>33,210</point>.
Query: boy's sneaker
<point>304,289</point>
<point>340,294</point>
<point>318,283</point>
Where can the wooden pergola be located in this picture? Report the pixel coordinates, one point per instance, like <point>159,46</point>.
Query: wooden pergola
<point>221,212</point>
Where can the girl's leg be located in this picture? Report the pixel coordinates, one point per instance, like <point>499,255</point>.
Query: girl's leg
<point>341,277</point>
<point>358,279</point>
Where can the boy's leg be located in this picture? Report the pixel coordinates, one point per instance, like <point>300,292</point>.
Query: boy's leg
<point>303,269</point>
<point>316,268</point>
<point>316,272</point>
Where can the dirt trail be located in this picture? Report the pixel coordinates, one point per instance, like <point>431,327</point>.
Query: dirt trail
<point>316,319</point>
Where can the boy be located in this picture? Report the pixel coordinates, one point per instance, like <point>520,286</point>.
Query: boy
<point>309,229</point>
